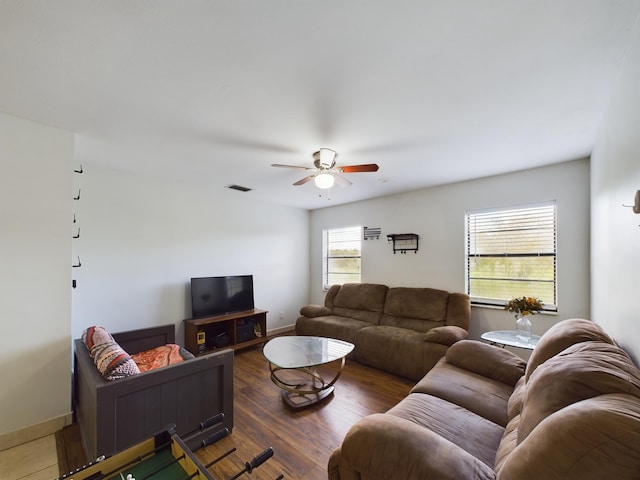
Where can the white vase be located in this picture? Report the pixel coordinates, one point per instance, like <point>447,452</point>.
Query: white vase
<point>523,328</point>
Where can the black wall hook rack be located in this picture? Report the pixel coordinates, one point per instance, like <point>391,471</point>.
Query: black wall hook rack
<point>78,171</point>
<point>371,233</point>
<point>404,242</point>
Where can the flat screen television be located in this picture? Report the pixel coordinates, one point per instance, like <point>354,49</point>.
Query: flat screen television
<point>220,295</point>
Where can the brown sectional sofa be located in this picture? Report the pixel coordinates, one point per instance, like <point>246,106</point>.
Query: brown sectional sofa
<point>400,330</point>
<point>571,413</point>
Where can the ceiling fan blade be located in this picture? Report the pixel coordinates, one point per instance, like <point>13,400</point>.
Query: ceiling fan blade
<point>304,180</point>
<point>341,180</point>
<point>279,165</point>
<point>367,167</point>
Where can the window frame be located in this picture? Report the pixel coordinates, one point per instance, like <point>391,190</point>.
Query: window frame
<point>356,234</point>
<point>470,254</point>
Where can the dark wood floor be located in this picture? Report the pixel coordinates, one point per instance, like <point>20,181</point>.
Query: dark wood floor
<point>302,439</point>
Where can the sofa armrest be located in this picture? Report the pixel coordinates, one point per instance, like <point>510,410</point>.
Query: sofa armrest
<point>487,360</point>
<point>311,311</point>
<point>447,335</point>
<point>384,446</point>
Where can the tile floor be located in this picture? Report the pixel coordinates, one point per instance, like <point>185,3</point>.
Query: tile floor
<point>36,460</point>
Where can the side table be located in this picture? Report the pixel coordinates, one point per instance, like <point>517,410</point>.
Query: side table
<point>509,338</point>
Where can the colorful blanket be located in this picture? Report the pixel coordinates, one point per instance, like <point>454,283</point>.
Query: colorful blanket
<point>168,354</point>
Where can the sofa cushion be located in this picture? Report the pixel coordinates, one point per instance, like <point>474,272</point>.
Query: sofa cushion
<point>479,394</point>
<point>472,433</point>
<point>514,407</point>
<point>402,351</point>
<point>360,301</point>
<point>331,326</point>
<point>582,371</point>
<point>418,309</point>
<point>508,443</point>
<point>562,335</point>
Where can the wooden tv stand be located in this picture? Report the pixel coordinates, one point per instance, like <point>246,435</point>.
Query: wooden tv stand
<point>232,330</point>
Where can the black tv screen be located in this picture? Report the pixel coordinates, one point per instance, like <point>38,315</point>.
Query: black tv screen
<point>219,295</point>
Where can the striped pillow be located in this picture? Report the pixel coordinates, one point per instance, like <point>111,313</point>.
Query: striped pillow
<point>110,359</point>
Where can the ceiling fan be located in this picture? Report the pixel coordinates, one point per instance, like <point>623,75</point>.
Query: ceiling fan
<point>326,172</point>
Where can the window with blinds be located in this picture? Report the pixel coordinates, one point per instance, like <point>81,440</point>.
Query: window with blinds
<point>341,256</point>
<point>512,253</point>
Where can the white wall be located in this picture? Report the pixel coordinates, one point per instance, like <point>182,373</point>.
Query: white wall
<point>143,238</point>
<point>615,230</point>
<point>35,273</point>
<point>437,215</point>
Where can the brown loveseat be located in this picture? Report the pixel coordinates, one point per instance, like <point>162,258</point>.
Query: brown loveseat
<point>572,412</point>
<point>400,330</point>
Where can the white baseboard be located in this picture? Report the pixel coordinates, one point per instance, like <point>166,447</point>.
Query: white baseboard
<point>34,432</point>
<point>281,330</point>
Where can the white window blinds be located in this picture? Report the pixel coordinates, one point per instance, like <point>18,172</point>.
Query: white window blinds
<point>341,256</point>
<point>512,253</point>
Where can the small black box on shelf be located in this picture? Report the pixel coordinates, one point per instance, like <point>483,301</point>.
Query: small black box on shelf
<point>220,340</point>
<point>245,330</point>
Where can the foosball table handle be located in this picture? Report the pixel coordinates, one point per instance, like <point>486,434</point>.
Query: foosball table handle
<point>219,435</point>
<point>254,463</point>
<point>259,459</point>
<point>209,422</point>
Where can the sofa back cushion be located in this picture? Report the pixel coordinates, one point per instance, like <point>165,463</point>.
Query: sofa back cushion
<point>582,371</point>
<point>360,301</point>
<point>487,361</point>
<point>588,440</point>
<point>419,309</point>
<point>331,296</point>
<point>562,335</point>
<point>459,310</point>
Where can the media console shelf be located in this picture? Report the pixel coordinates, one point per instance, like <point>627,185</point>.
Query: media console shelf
<point>233,330</point>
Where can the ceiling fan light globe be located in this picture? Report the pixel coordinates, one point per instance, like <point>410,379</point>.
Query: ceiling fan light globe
<point>324,180</point>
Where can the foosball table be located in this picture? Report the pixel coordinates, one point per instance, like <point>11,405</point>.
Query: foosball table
<point>164,456</point>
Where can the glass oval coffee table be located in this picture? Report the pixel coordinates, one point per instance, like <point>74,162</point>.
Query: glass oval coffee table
<point>510,338</point>
<point>293,363</point>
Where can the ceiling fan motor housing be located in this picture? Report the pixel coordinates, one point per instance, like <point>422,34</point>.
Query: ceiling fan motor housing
<point>325,159</point>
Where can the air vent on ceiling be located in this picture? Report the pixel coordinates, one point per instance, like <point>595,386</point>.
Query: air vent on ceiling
<point>240,188</point>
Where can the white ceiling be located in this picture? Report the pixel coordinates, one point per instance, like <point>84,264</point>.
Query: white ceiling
<point>213,92</point>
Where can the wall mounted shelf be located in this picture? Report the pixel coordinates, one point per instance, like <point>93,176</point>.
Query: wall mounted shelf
<point>404,242</point>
